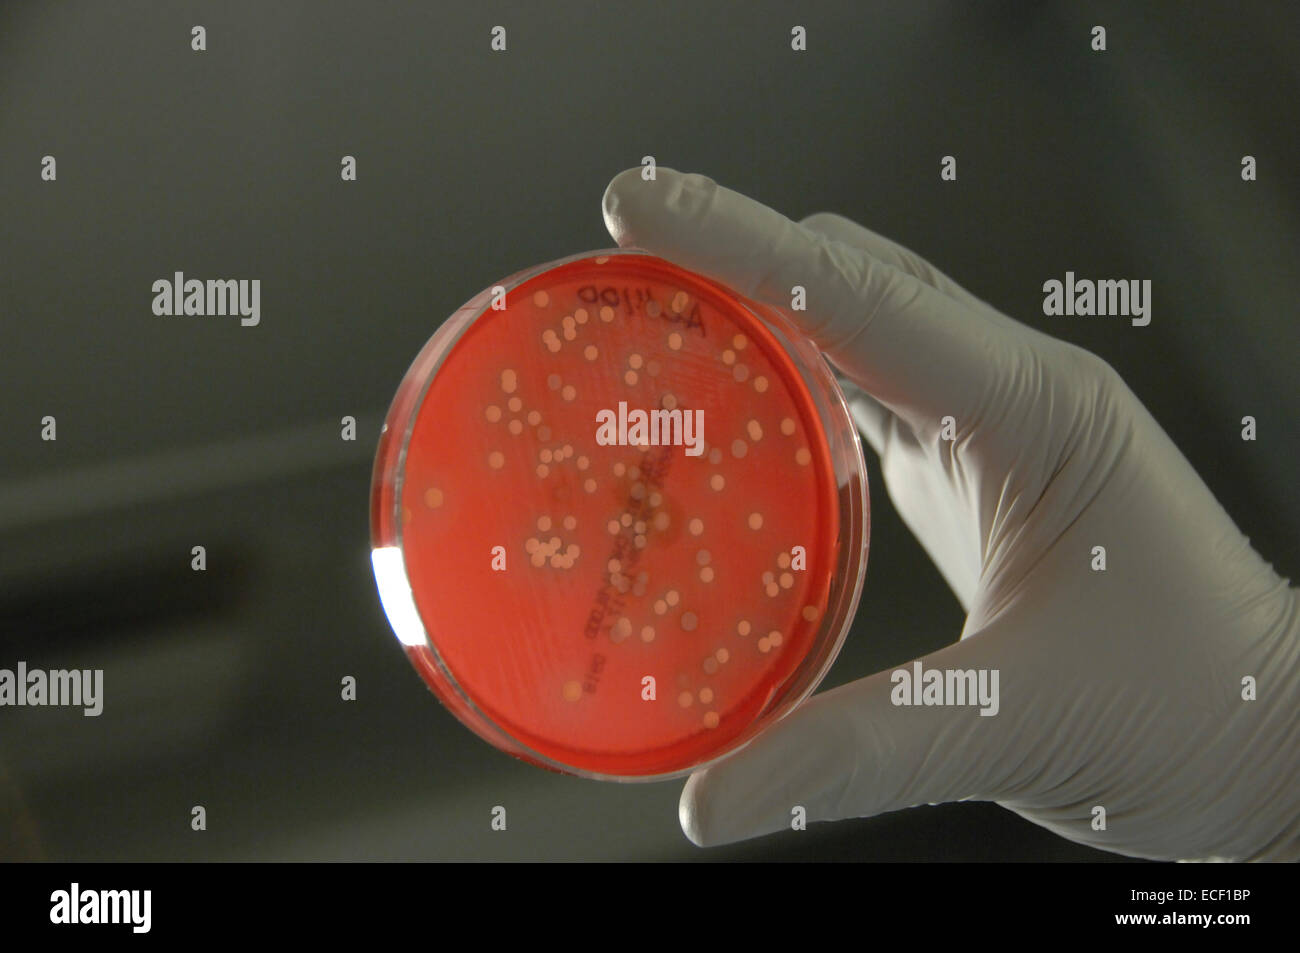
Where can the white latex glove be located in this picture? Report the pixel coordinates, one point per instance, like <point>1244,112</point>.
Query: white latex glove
<point>1119,689</point>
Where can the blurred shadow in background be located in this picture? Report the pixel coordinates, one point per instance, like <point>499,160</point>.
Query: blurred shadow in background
<point>222,688</point>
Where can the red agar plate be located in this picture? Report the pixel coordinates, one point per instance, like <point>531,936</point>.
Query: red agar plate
<point>619,516</point>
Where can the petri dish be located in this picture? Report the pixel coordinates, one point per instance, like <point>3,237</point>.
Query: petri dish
<point>619,516</point>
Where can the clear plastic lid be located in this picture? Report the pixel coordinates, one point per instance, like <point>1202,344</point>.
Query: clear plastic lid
<point>619,516</point>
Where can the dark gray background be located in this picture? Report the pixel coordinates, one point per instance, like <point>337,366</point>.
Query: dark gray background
<point>223,688</point>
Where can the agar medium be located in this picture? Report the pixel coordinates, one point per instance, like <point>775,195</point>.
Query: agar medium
<point>619,516</point>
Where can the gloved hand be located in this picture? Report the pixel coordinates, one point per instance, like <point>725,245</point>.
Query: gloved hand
<point>1120,689</point>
